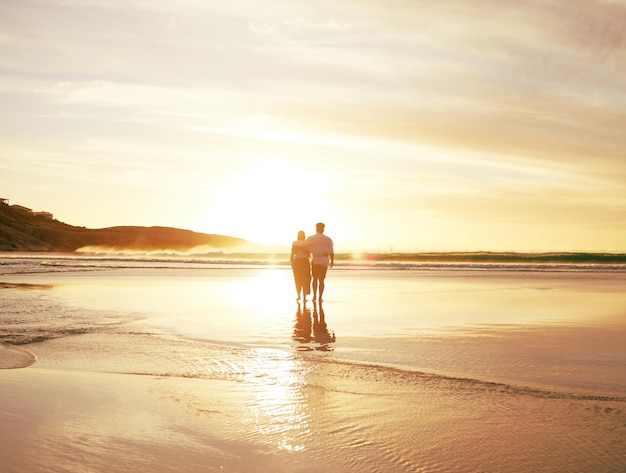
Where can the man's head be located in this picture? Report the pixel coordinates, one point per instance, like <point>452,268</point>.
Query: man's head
<point>319,227</point>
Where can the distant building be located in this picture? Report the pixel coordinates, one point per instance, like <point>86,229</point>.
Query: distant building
<point>22,208</point>
<point>27,210</point>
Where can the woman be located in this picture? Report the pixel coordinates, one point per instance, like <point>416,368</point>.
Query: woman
<point>301,266</point>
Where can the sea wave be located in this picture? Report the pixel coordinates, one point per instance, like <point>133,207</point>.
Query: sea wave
<point>12,263</point>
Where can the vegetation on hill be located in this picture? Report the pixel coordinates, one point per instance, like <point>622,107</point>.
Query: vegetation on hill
<point>23,231</point>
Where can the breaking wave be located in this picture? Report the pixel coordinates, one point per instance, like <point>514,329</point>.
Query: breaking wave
<point>15,263</point>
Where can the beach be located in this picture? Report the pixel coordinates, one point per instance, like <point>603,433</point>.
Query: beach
<point>127,365</point>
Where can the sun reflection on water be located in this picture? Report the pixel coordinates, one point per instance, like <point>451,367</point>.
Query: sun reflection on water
<point>268,286</point>
<point>279,412</point>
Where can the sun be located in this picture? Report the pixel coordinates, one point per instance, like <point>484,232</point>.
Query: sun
<point>268,203</point>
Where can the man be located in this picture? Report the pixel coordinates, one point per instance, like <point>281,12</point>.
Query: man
<point>321,247</point>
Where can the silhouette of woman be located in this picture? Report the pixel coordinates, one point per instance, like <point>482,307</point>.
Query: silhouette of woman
<point>301,266</point>
<point>302,327</point>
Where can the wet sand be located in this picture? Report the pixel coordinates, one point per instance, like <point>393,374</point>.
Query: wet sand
<point>323,416</point>
<point>107,391</point>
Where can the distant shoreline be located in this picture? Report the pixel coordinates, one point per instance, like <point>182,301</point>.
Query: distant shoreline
<point>23,231</point>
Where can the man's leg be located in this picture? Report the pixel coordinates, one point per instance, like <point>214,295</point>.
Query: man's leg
<point>319,274</point>
<point>314,287</point>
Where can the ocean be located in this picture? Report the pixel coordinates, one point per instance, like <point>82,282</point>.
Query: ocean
<point>466,364</point>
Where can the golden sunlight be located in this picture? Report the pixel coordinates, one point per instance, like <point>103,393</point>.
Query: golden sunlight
<point>269,203</point>
<point>267,286</point>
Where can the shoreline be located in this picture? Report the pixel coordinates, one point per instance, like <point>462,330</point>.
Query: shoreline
<point>140,352</point>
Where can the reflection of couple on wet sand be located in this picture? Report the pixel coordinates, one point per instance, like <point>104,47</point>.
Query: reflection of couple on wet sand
<point>310,259</point>
<point>306,332</point>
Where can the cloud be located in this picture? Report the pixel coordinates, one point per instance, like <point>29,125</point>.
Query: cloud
<point>536,79</point>
<point>519,82</point>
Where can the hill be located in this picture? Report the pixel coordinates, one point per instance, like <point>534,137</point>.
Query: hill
<point>23,231</point>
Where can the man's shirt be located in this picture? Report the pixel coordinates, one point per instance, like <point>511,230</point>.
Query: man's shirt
<point>321,247</point>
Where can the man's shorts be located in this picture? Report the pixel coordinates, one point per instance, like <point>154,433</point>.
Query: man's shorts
<point>318,271</point>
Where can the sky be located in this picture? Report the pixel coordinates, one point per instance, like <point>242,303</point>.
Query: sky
<point>404,125</point>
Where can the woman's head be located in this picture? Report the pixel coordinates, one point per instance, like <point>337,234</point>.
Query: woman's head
<point>300,235</point>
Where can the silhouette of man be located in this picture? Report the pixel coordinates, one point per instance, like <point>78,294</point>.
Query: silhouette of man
<point>321,247</point>
<point>320,330</point>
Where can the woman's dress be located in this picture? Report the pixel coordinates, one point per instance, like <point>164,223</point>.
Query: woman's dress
<point>301,268</point>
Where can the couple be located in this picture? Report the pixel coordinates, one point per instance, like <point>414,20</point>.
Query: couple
<point>321,248</point>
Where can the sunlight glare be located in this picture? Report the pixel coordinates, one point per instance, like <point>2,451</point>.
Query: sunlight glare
<point>270,202</point>
<point>266,289</point>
